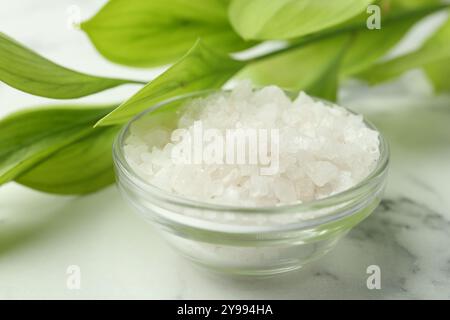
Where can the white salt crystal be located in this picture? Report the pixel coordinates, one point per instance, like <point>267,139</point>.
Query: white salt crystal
<point>284,190</point>
<point>259,186</point>
<point>322,151</point>
<point>157,137</point>
<point>321,172</point>
<point>305,189</point>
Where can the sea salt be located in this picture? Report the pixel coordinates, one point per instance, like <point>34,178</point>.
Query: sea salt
<point>322,150</point>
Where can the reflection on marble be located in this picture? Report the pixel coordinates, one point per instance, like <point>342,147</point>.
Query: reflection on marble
<point>408,236</point>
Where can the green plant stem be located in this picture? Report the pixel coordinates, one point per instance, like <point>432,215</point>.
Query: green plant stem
<point>138,82</point>
<point>351,28</point>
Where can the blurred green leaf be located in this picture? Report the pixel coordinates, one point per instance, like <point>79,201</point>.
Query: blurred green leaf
<point>27,71</point>
<point>154,32</point>
<point>30,136</point>
<point>398,16</point>
<point>370,45</point>
<point>326,86</point>
<point>81,167</point>
<point>306,68</point>
<point>200,69</point>
<point>284,19</point>
<point>409,4</point>
<point>435,51</point>
<point>438,73</point>
<point>305,64</point>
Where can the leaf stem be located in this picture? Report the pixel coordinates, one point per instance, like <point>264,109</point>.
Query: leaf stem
<point>138,82</point>
<point>350,28</point>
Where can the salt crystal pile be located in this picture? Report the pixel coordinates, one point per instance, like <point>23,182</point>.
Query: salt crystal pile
<point>323,150</point>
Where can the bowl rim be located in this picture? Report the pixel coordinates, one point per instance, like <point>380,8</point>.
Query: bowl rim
<point>134,178</point>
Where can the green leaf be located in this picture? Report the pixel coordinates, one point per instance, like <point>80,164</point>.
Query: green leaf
<point>311,68</point>
<point>154,32</point>
<point>200,69</point>
<point>326,86</point>
<point>409,4</point>
<point>305,64</point>
<point>82,167</point>
<point>27,71</point>
<point>397,18</point>
<point>370,45</point>
<point>436,50</point>
<point>29,137</point>
<point>284,19</point>
<point>438,73</point>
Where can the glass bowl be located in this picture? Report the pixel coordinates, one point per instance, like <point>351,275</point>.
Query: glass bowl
<point>245,240</point>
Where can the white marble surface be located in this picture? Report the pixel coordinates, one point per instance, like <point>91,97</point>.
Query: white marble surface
<point>121,257</point>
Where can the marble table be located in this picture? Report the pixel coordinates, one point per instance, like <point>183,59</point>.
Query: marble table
<point>120,256</point>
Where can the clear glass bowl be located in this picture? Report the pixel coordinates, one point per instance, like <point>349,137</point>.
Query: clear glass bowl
<point>243,240</point>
